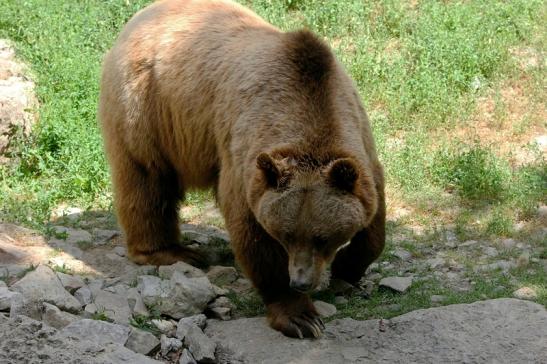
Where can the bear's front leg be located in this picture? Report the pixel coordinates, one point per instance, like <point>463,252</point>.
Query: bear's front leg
<point>265,262</point>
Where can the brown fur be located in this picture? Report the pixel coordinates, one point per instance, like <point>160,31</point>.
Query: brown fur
<point>199,94</point>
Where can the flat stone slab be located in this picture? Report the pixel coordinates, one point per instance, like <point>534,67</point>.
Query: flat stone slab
<point>494,331</point>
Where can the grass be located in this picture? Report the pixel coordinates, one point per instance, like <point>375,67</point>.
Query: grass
<point>453,91</point>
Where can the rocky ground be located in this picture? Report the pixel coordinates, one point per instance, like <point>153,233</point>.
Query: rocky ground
<point>73,296</point>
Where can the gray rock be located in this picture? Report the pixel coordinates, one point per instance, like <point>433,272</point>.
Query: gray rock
<point>402,254</point>
<point>70,282</point>
<point>43,285</point>
<point>448,334</point>
<point>399,284</point>
<point>57,318</point>
<point>164,326</point>
<point>542,211</point>
<point>169,344</point>
<point>102,236</point>
<point>503,265</point>
<point>83,295</point>
<point>437,298</point>
<point>73,236</point>
<point>434,262</point>
<point>490,251</point>
<point>97,332</point>
<point>114,306</point>
<point>222,302</point>
<point>340,300</point>
<point>201,346</point>
<point>136,303</point>
<point>96,285</point>
<point>523,260</point>
<point>179,297</point>
<point>221,276</point>
<point>141,341</point>
<point>186,358</point>
<point>166,271</point>
<point>120,250</point>
<point>185,322</point>
<point>525,293</point>
<point>221,313</point>
<point>23,340</point>
<point>220,291</point>
<point>366,288</point>
<point>508,243</point>
<point>468,243</point>
<point>3,285</point>
<point>325,309</point>
<point>7,297</point>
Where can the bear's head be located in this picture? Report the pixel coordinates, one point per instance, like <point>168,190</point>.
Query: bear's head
<point>312,209</point>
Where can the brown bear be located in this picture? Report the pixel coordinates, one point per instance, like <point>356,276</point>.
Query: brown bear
<point>201,94</point>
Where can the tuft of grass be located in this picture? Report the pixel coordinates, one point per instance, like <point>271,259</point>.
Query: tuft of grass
<point>62,269</point>
<point>101,316</point>
<point>143,323</point>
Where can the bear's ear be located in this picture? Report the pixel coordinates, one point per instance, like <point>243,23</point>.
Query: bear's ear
<point>343,174</point>
<point>268,166</point>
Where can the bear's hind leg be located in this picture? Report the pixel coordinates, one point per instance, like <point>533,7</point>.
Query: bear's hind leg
<point>147,206</point>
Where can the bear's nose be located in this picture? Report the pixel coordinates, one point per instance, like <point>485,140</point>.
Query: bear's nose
<point>300,285</point>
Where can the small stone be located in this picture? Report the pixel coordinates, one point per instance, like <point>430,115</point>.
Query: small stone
<point>136,303</point>
<point>97,332</point>
<point>164,326</point>
<point>141,341</point>
<point>490,251</point>
<point>468,243</point>
<point>186,358</point>
<point>374,276</point>
<point>70,282</point>
<point>542,211</point>
<point>195,236</point>
<point>96,285</point>
<point>222,302</point>
<point>103,236</point>
<point>437,298</point>
<point>200,345</point>
<point>43,285</point>
<point>221,276</point>
<point>241,285</point>
<point>340,300</point>
<point>399,284</point>
<point>120,250</point>
<point>189,271</point>
<point>90,310</point>
<point>83,295</point>
<point>169,344</point>
<point>523,260</point>
<point>185,322</point>
<point>525,293</point>
<point>504,265</point>
<point>73,236</point>
<point>508,243</point>
<point>57,318</point>
<point>114,306</point>
<point>325,309</point>
<point>220,291</point>
<point>366,288</point>
<point>434,262</point>
<point>402,254</point>
<point>221,313</point>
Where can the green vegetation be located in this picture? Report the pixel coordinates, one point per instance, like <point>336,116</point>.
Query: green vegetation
<point>454,90</point>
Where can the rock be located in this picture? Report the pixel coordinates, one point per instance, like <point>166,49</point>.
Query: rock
<point>169,344</point>
<point>120,250</point>
<point>7,297</point>
<point>201,346</point>
<point>373,277</point>
<point>325,309</point>
<point>164,326</point>
<point>220,291</point>
<point>241,285</point>
<point>136,303</point>
<point>366,288</point>
<point>504,265</point>
<point>70,283</point>
<point>490,251</point>
<point>468,243</point>
<point>525,293</point>
<point>454,333</point>
<point>43,285</point>
<point>3,285</point>
<point>96,285</point>
<point>141,341</point>
<point>542,212</point>
<point>185,322</point>
<point>402,254</point>
<point>221,276</point>
<point>17,100</point>
<point>434,262</point>
<point>222,302</point>
<point>73,236</point>
<point>23,340</point>
<point>102,236</point>
<point>523,260</point>
<point>166,271</point>
<point>399,284</point>
<point>97,332</point>
<point>114,306</point>
<point>221,313</point>
<point>340,300</point>
<point>508,243</point>
<point>437,298</point>
<point>393,307</point>
<point>57,318</point>
<point>179,297</point>
<point>186,358</point>
<point>90,310</point>
<point>83,295</point>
